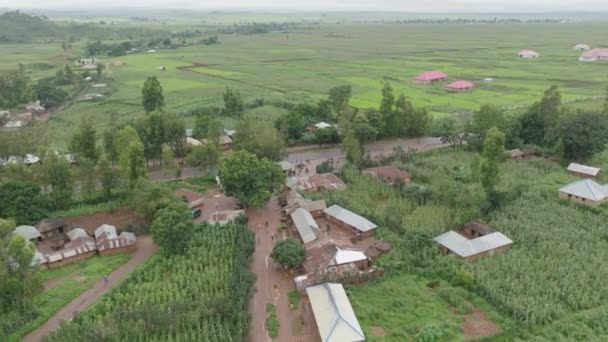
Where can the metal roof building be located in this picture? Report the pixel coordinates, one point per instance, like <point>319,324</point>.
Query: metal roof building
<point>347,256</point>
<point>334,315</point>
<point>584,170</point>
<point>465,248</point>
<point>28,232</point>
<point>587,189</point>
<point>76,233</point>
<point>348,217</point>
<point>305,224</point>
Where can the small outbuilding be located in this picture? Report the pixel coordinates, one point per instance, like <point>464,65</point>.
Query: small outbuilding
<point>49,227</point>
<point>474,241</point>
<point>224,142</point>
<point>389,174</point>
<point>346,219</point>
<point>77,233</point>
<point>584,171</point>
<point>108,242</point>
<point>305,225</point>
<point>581,47</point>
<point>334,316</point>
<point>431,77</point>
<point>321,182</point>
<point>29,233</point>
<point>528,54</point>
<point>460,86</point>
<point>586,192</point>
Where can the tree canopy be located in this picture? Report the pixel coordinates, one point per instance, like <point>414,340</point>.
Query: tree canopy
<point>152,95</point>
<point>173,227</point>
<point>289,253</point>
<point>250,179</point>
<point>260,138</point>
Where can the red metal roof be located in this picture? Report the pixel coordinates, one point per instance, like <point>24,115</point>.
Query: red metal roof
<point>596,53</point>
<point>460,85</point>
<point>431,76</point>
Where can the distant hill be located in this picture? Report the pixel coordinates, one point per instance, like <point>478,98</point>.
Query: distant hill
<point>18,27</point>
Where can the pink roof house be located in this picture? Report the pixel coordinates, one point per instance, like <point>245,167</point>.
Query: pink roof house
<point>460,86</point>
<point>594,55</point>
<point>430,77</point>
<point>528,54</point>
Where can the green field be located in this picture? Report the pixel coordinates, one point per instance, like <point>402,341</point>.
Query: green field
<point>302,64</point>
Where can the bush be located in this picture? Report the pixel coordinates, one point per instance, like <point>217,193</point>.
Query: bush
<point>325,167</point>
<point>463,278</point>
<point>430,333</point>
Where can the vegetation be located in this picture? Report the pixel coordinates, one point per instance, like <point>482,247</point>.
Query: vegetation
<point>272,323</point>
<point>197,295</point>
<point>172,227</point>
<point>288,253</point>
<point>251,180</point>
<point>152,95</point>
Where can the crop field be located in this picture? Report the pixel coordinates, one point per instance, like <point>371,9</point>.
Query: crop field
<point>303,64</point>
<point>552,275</point>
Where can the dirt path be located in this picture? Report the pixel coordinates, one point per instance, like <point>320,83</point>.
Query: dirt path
<point>272,284</point>
<point>145,249</point>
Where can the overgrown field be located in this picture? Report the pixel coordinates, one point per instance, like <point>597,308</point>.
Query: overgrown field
<point>553,273</point>
<point>302,64</point>
<point>200,295</point>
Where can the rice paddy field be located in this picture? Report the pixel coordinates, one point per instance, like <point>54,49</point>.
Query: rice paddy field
<point>302,64</point>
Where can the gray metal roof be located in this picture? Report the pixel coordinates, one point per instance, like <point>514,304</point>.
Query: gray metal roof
<point>360,223</point>
<point>28,232</point>
<point>76,233</point>
<point>334,315</point>
<point>584,169</point>
<point>285,165</point>
<point>586,188</point>
<point>105,229</point>
<point>305,224</point>
<point>464,247</point>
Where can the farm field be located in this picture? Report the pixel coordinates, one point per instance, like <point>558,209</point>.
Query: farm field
<point>302,64</point>
<point>553,272</point>
<point>64,284</point>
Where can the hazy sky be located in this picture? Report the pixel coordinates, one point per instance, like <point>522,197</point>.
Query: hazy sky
<point>313,5</point>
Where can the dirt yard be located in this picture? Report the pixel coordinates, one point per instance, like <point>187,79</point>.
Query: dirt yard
<point>477,325</point>
<point>120,218</point>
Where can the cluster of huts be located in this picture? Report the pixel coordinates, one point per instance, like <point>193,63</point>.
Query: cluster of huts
<point>224,140</point>
<point>435,76</point>
<point>22,119</point>
<point>62,247</point>
<point>31,159</point>
<point>585,191</point>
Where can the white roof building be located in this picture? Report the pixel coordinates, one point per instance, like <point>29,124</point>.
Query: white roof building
<point>285,165</point>
<point>14,124</point>
<point>192,142</point>
<point>105,229</point>
<point>76,233</point>
<point>360,223</point>
<point>587,189</point>
<point>464,247</point>
<point>322,125</point>
<point>30,159</point>
<point>582,47</point>
<point>347,256</point>
<point>28,232</point>
<point>334,315</point>
<point>584,169</point>
<point>305,224</point>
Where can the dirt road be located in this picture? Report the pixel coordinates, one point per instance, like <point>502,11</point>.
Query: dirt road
<point>145,249</point>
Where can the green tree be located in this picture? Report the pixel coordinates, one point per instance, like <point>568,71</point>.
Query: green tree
<point>486,117</point>
<point>173,227</point>
<point>108,177</point>
<point>352,147</point>
<point>110,136</point>
<point>168,161</point>
<point>388,100</point>
<point>15,89</point>
<point>131,155</point>
<point>22,202</point>
<point>328,135</point>
<point>204,157</point>
<point>147,198</point>
<point>251,180</point>
<point>84,141</point>
<point>49,94</point>
<point>339,97</point>
<point>260,138</point>
<point>583,135</point>
<point>364,131</point>
<point>152,95</point>
<point>88,179</point>
<point>56,173</point>
<point>233,102</point>
<point>99,69</point>
<point>288,253</point>
<point>539,125</point>
<point>493,154</point>
<point>606,102</point>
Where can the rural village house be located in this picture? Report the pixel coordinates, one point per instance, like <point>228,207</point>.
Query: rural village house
<point>474,241</point>
<point>594,55</point>
<point>459,86</point>
<point>585,191</point>
<point>305,224</point>
<point>29,233</point>
<point>108,242</point>
<point>50,226</point>
<point>583,171</point>
<point>346,219</point>
<point>431,77</point>
<point>528,54</point>
<point>333,313</point>
<point>582,47</point>
<point>321,182</point>
<point>225,142</point>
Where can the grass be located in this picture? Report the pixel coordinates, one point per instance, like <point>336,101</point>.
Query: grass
<point>312,61</point>
<point>294,299</point>
<point>85,274</point>
<point>272,323</point>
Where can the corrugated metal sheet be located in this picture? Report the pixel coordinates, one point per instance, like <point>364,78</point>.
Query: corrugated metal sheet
<point>584,169</point>
<point>76,233</point>
<point>464,247</point>
<point>27,232</point>
<point>346,256</point>
<point>586,188</point>
<point>360,223</point>
<point>305,224</point>
<point>334,315</point>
